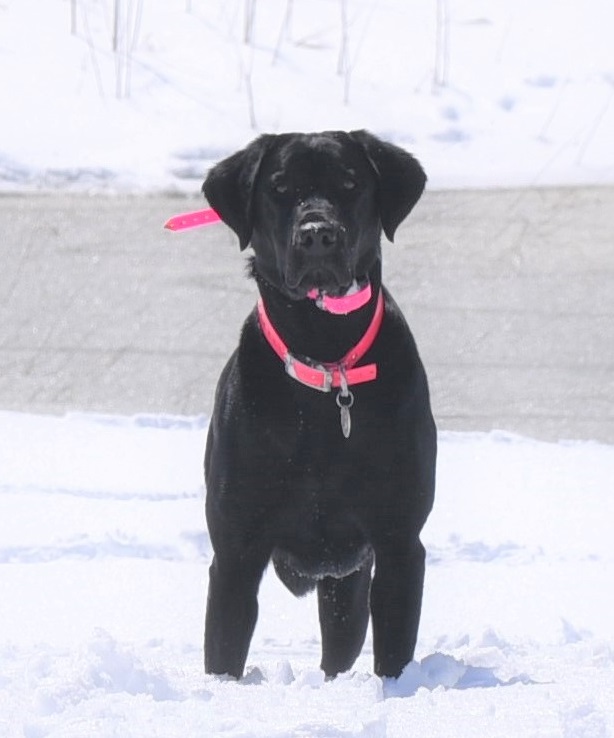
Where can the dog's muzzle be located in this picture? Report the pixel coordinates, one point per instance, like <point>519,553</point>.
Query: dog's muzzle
<point>318,257</point>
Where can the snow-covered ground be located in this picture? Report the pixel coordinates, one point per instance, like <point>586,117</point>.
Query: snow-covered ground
<point>520,93</point>
<point>103,564</point>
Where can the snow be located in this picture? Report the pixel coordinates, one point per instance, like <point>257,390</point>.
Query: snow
<point>526,97</point>
<point>103,573</point>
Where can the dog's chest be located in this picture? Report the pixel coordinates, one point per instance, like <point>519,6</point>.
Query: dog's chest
<point>321,537</point>
<point>322,499</point>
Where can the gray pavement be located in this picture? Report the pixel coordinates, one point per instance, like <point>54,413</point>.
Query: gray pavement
<point>510,295</point>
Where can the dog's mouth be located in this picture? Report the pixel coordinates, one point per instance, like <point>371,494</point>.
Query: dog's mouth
<point>332,278</point>
<point>334,290</point>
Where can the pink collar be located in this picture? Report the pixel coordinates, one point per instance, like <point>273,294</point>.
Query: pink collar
<point>194,219</point>
<point>342,305</point>
<point>324,377</point>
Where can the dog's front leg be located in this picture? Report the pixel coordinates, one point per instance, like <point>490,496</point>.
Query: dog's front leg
<point>232,611</point>
<point>343,606</point>
<point>396,602</point>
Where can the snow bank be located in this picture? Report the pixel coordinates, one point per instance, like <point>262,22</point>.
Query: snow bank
<point>519,94</point>
<point>103,564</point>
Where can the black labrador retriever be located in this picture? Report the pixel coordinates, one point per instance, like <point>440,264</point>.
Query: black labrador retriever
<point>321,449</point>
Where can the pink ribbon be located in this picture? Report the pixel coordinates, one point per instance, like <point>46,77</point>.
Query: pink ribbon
<point>192,220</point>
<point>342,305</point>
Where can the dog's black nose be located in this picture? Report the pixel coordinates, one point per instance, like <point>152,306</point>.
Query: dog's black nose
<point>316,237</point>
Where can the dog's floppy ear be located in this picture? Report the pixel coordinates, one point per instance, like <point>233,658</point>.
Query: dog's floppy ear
<point>401,179</point>
<point>229,187</point>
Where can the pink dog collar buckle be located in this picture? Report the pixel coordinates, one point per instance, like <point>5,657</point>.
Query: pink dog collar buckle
<point>195,219</point>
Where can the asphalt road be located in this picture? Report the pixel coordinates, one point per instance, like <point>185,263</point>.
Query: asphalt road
<point>510,295</point>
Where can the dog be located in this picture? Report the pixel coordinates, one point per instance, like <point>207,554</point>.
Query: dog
<point>321,450</point>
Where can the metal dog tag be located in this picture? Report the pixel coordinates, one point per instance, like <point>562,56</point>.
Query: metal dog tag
<point>346,420</point>
<point>345,400</point>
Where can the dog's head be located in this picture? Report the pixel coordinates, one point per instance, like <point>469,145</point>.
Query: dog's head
<point>313,206</point>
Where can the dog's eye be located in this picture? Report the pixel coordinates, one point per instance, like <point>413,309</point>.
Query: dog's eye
<point>278,184</point>
<point>349,179</point>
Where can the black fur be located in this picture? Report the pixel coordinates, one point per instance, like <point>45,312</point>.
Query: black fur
<point>342,515</point>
